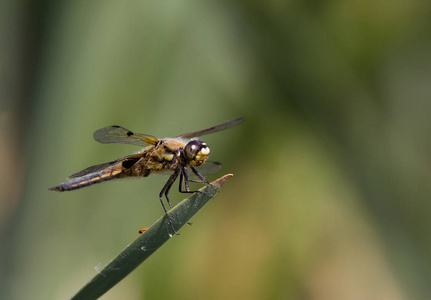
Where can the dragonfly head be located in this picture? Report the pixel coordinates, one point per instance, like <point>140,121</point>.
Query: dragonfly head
<point>196,152</point>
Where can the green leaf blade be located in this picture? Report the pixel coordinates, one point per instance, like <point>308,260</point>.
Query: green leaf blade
<point>151,240</point>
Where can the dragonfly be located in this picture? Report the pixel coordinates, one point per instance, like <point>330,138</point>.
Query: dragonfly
<point>175,156</point>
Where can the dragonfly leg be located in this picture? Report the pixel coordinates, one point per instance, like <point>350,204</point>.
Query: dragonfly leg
<point>180,186</point>
<point>165,191</point>
<point>184,176</point>
<point>201,177</point>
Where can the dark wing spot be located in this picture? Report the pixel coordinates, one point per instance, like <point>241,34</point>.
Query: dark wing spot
<point>129,133</point>
<point>130,162</point>
<point>115,126</point>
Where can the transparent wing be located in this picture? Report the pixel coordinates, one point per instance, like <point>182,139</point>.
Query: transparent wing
<point>213,129</point>
<point>127,161</point>
<point>92,169</point>
<point>209,167</point>
<point>118,134</point>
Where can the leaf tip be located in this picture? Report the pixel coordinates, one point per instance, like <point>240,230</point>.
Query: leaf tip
<point>222,180</point>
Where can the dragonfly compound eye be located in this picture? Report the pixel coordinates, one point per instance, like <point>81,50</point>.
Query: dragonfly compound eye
<point>196,152</point>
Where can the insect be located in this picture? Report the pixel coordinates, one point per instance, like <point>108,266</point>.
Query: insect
<point>175,156</point>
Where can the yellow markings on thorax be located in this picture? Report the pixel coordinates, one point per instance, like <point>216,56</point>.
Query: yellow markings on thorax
<point>165,151</point>
<point>168,156</point>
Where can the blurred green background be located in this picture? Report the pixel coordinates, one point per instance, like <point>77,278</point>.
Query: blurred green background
<point>331,193</point>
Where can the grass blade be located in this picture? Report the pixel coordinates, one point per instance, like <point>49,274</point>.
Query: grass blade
<point>146,244</point>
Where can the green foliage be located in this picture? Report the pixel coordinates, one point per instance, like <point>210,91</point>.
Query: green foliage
<point>151,240</point>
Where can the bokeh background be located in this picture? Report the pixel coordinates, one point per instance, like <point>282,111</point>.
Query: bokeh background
<point>331,193</point>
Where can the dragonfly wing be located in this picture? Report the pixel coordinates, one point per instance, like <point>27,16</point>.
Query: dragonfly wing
<point>118,134</point>
<point>213,129</point>
<point>209,167</point>
<point>127,162</point>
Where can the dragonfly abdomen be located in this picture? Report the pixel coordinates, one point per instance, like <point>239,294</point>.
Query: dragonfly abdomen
<point>86,180</point>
